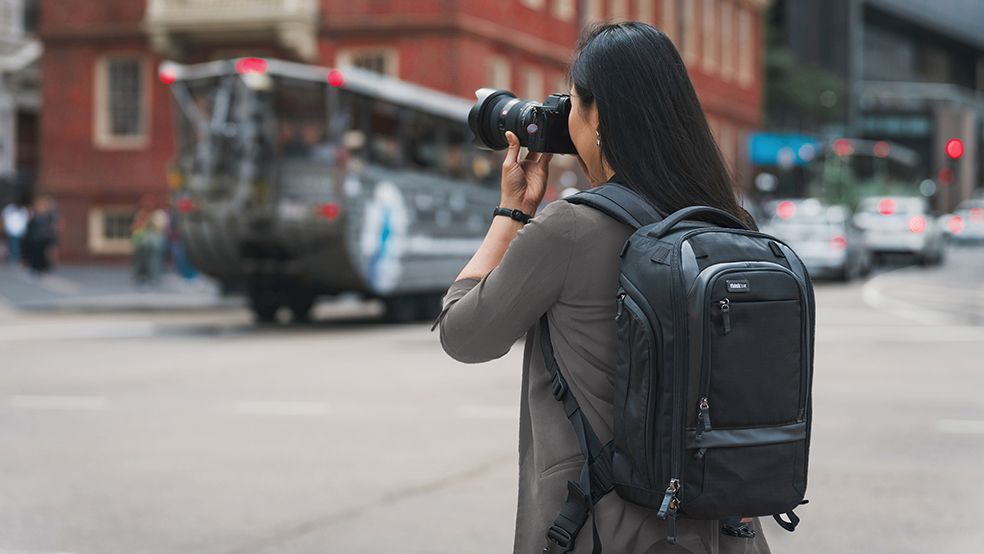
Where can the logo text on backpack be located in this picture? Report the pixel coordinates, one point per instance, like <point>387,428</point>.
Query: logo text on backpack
<point>740,285</point>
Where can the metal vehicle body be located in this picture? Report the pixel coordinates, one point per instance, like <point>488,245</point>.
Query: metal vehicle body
<point>295,181</point>
<point>823,236</point>
<point>901,225</point>
<point>966,224</point>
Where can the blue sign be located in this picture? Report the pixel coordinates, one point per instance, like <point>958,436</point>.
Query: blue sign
<point>782,149</point>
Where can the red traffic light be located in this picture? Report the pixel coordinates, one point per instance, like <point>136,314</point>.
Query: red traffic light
<point>954,148</point>
<point>843,147</point>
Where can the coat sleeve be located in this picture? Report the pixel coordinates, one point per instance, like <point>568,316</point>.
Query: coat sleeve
<point>482,318</point>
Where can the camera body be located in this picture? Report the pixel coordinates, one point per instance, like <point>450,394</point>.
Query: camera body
<point>541,127</point>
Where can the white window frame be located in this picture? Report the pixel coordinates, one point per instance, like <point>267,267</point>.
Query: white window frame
<point>533,83</point>
<point>102,136</point>
<point>391,57</point>
<point>727,45</point>
<point>644,11</point>
<point>593,11</point>
<point>745,46</point>
<point>533,4</point>
<point>564,10</point>
<point>709,35</point>
<point>499,72</point>
<point>619,10</point>
<point>670,19</point>
<point>98,242</point>
<point>689,28</point>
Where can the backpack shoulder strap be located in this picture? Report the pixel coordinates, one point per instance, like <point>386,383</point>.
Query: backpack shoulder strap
<point>619,202</point>
<point>595,479</point>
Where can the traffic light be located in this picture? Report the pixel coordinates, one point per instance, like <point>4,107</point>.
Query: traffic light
<point>954,148</point>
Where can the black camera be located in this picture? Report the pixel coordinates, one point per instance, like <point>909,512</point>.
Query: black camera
<point>540,127</point>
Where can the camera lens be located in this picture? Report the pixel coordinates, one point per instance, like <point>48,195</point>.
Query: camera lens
<point>540,127</point>
<point>498,111</point>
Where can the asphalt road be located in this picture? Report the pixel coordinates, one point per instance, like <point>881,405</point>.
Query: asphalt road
<point>199,433</point>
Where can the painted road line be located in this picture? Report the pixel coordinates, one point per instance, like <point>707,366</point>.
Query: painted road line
<point>901,333</point>
<point>488,411</point>
<point>68,403</point>
<point>76,331</point>
<point>961,426</point>
<point>873,296</point>
<point>283,408</point>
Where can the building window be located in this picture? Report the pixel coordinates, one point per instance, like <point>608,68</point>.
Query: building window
<point>745,47</point>
<point>727,40</point>
<point>378,60</point>
<point>121,96</point>
<point>10,19</point>
<point>644,11</point>
<point>109,230</point>
<point>533,4</point>
<point>592,11</point>
<point>533,84</point>
<point>563,9</point>
<point>688,30</point>
<point>499,72</point>
<point>710,43</point>
<point>668,18</point>
<point>619,9</point>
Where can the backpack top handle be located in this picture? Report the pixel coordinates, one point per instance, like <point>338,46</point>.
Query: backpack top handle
<point>716,216</point>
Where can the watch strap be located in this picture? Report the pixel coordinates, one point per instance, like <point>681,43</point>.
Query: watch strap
<point>514,214</point>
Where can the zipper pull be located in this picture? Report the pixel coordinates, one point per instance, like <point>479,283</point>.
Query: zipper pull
<point>726,314</point>
<point>703,418</point>
<point>621,302</point>
<point>670,502</point>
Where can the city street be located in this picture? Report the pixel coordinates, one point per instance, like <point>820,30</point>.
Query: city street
<point>199,433</point>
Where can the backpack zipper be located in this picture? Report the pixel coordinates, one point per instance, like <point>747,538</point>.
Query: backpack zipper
<point>725,306</point>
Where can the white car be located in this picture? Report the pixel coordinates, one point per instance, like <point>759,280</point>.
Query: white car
<point>966,223</point>
<point>900,225</point>
<point>822,236</point>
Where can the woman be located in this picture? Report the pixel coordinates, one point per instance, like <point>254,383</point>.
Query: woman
<point>635,119</point>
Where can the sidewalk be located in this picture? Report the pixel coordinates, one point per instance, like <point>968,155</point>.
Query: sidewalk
<point>106,289</point>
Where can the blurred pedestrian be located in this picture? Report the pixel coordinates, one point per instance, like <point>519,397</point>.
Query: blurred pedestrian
<point>148,237</point>
<point>41,235</point>
<point>179,254</point>
<point>15,218</point>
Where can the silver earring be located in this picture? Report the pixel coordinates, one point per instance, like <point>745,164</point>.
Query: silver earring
<point>598,138</point>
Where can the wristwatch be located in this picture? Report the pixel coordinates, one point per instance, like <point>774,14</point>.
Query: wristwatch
<point>514,214</point>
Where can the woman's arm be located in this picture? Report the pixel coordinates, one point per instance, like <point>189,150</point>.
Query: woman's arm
<point>516,273</point>
<point>523,185</point>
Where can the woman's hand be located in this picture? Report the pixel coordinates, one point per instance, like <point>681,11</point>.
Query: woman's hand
<point>523,183</point>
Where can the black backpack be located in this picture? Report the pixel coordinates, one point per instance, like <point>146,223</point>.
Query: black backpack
<point>713,376</point>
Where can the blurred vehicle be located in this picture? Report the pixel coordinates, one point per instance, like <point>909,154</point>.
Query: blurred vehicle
<point>900,224</point>
<point>966,223</point>
<point>823,236</point>
<point>294,181</point>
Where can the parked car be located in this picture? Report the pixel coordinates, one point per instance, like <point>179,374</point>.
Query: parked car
<point>823,236</point>
<point>900,225</point>
<point>966,223</point>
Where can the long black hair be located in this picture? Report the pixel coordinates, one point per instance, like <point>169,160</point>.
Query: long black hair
<point>653,132</point>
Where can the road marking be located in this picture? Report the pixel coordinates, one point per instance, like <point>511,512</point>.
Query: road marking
<point>488,411</point>
<point>901,333</point>
<point>283,408</point>
<point>960,426</point>
<point>76,331</point>
<point>872,295</point>
<point>40,402</point>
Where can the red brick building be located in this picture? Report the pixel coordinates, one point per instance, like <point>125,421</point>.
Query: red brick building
<point>107,122</point>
